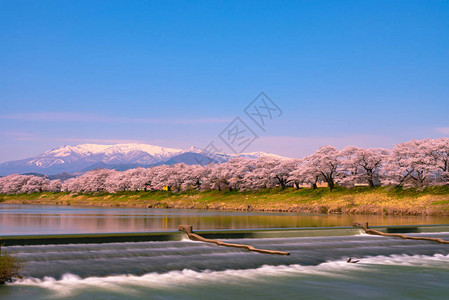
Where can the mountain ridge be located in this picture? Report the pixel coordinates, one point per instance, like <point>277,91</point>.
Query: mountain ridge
<point>84,157</point>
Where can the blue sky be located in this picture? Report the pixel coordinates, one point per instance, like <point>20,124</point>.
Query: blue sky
<point>175,73</point>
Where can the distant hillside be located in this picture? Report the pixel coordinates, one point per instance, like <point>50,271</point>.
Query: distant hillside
<point>61,176</point>
<point>85,157</point>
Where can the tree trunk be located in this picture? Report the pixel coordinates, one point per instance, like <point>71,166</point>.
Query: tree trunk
<point>370,173</point>
<point>331,184</point>
<point>282,184</point>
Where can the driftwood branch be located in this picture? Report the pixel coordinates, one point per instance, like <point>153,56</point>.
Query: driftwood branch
<point>402,236</point>
<point>195,237</point>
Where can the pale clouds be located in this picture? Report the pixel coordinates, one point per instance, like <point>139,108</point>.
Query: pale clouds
<point>302,146</point>
<point>85,117</point>
<point>442,130</point>
<point>20,136</point>
<point>100,141</point>
<point>27,136</point>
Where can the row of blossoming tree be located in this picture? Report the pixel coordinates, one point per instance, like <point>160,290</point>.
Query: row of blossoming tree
<point>418,163</point>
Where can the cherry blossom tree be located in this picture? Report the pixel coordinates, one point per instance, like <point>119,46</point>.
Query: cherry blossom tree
<point>279,170</point>
<point>220,177</point>
<point>177,175</point>
<point>325,163</point>
<point>304,175</point>
<point>22,184</point>
<point>12,184</point>
<point>159,177</point>
<point>34,184</point>
<point>439,150</point>
<point>410,164</point>
<point>194,177</point>
<point>90,182</point>
<point>362,165</point>
<point>54,186</point>
<point>116,181</point>
<point>237,170</point>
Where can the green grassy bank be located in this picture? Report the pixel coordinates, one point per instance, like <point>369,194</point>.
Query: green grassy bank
<point>359,200</point>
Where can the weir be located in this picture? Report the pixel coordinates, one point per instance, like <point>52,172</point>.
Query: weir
<point>399,235</point>
<point>99,238</point>
<point>112,254</point>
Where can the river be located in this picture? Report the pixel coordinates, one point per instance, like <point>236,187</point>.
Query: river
<point>40,219</point>
<point>389,268</point>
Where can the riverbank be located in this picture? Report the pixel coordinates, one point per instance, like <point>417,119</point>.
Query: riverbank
<point>359,200</point>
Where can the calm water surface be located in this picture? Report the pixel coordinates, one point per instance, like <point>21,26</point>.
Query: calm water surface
<point>39,219</point>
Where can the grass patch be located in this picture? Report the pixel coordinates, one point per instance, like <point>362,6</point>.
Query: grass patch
<point>365,200</point>
<point>442,202</point>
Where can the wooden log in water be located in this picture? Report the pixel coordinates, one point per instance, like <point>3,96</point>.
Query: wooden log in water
<point>187,228</point>
<point>195,237</point>
<point>399,235</point>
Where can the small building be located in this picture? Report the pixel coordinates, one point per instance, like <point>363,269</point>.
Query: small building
<point>322,184</point>
<point>318,184</point>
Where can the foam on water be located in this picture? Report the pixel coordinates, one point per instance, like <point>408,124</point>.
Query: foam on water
<point>437,260</point>
<point>128,284</point>
<point>124,283</point>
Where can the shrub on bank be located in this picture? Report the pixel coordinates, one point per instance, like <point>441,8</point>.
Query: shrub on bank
<point>10,267</point>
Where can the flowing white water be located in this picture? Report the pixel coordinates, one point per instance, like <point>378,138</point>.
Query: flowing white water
<point>338,271</point>
<point>317,268</point>
<point>187,278</point>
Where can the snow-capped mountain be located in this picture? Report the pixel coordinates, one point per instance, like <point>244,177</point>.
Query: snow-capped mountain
<point>85,157</point>
<point>113,154</point>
